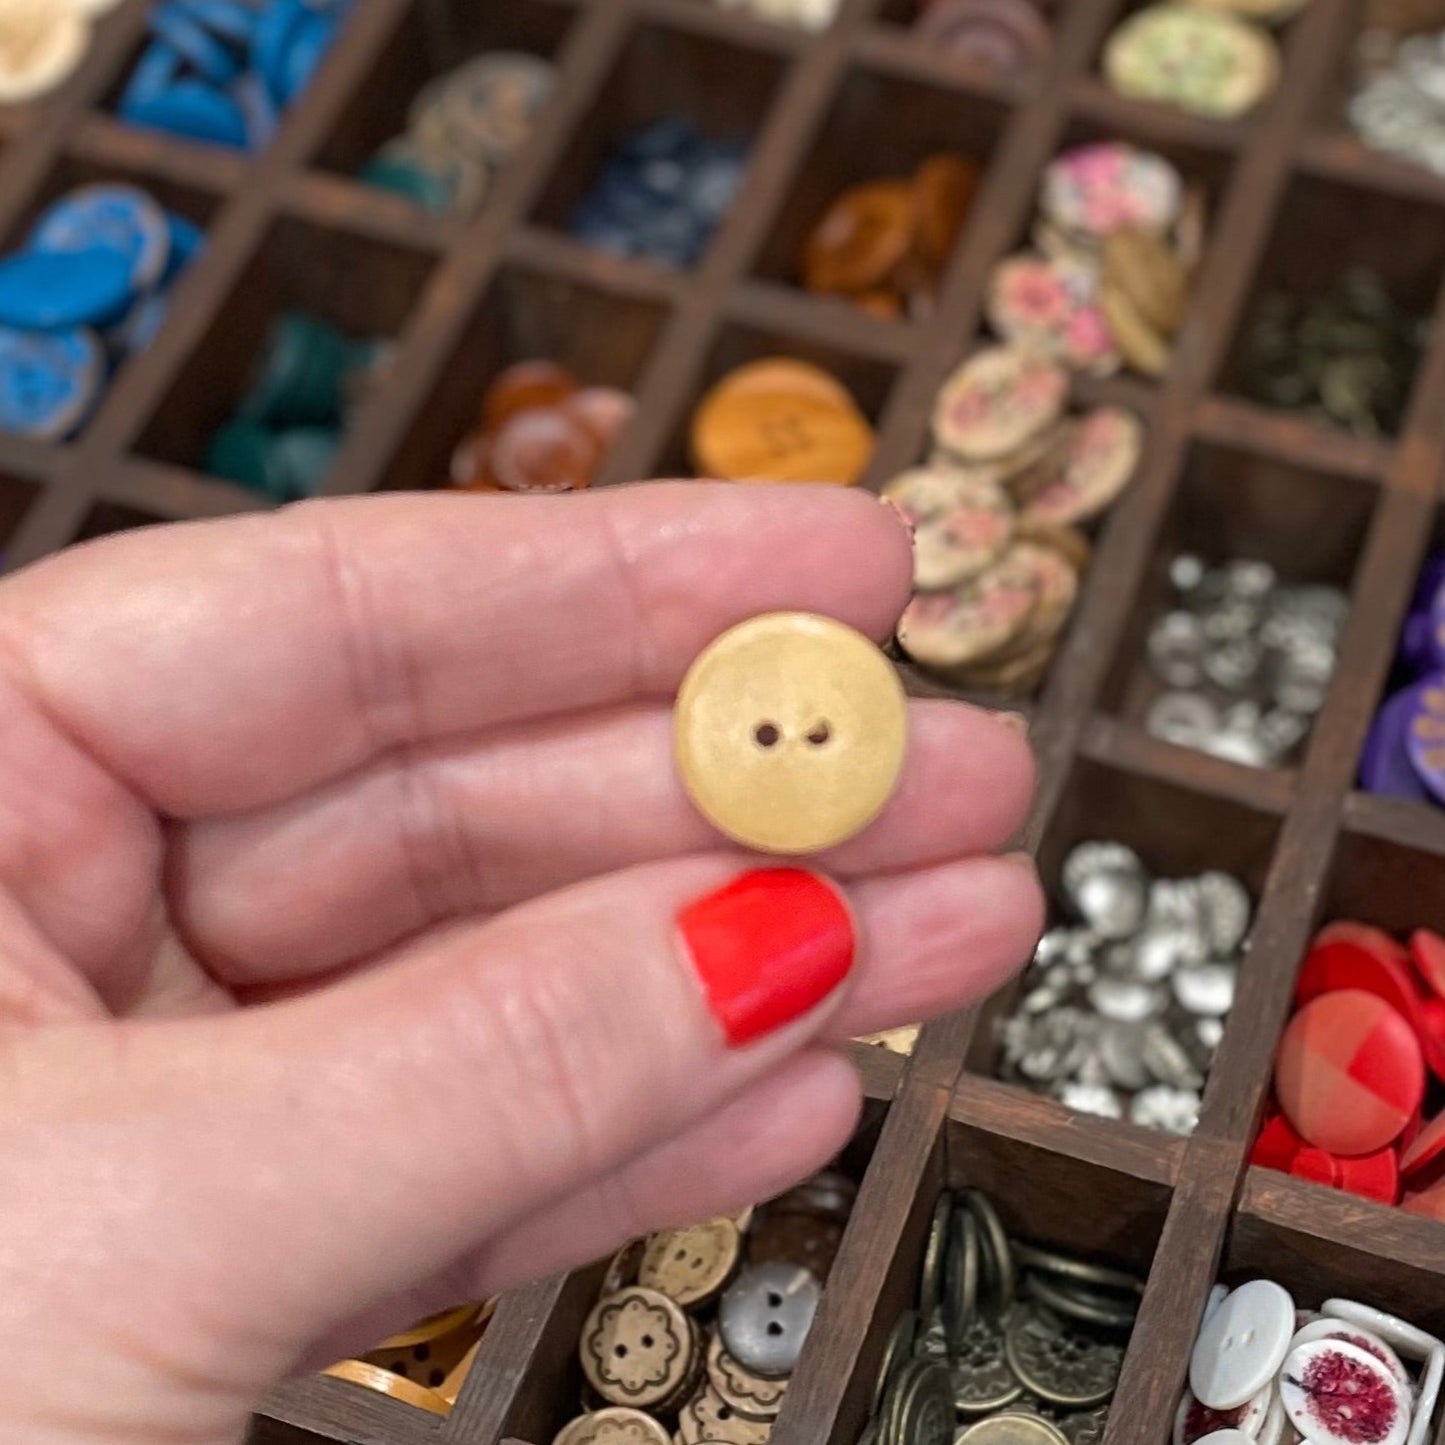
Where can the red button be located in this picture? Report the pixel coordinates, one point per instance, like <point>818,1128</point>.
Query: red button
<point>1429,1202</point>
<point>1353,955</point>
<point>1424,1149</point>
<point>1349,1073</point>
<point>1316,1166</point>
<point>1374,1176</point>
<point>1277,1145</point>
<point>1428,951</point>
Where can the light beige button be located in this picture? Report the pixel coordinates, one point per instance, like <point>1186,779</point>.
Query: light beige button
<point>41,44</point>
<point>637,1348</point>
<point>790,731</point>
<point>615,1425</point>
<point>691,1265</point>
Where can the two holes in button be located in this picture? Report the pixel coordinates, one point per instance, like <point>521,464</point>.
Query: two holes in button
<point>775,1302</point>
<point>769,735</point>
<point>620,1351</point>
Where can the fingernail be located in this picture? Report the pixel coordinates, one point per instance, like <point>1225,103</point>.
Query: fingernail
<point>904,520</point>
<point>1014,720</point>
<point>769,947</point>
<point>1022,859</point>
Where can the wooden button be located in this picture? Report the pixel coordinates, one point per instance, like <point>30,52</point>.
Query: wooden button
<point>943,191</point>
<point>1349,1073</point>
<point>782,421</point>
<point>616,1425</point>
<point>862,238</point>
<point>691,1265</point>
<point>373,1377</point>
<point>637,1348</point>
<point>789,732</point>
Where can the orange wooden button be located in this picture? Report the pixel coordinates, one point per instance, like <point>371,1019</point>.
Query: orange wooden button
<point>782,421</point>
<point>523,386</point>
<point>1349,1074</point>
<point>943,190</point>
<point>862,238</point>
<point>543,450</point>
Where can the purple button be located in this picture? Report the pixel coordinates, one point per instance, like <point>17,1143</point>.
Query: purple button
<point>1385,765</point>
<point>1417,643</point>
<point>1425,732</point>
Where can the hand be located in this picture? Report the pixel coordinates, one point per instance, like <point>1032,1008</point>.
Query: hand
<point>341,861</point>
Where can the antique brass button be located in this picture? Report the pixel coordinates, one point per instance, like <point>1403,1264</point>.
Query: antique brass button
<point>637,1348</point>
<point>790,732</point>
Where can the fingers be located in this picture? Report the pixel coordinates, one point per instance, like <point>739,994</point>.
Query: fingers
<point>779,1130</point>
<point>227,665</point>
<point>423,836</point>
<point>497,1067</point>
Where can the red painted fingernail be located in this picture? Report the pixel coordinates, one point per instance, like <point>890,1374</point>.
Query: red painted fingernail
<point>769,947</point>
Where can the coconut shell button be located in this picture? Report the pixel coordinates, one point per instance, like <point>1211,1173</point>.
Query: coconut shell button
<point>1336,1393</point>
<point>1242,1346</point>
<point>691,1265</point>
<point>745,1391</point>
<point>637,1348</point>
<point>780,420</point>
<point>765,1316</point>
<point>614,1425</point>
<point>789,732</point>
<point>1349,1075</point>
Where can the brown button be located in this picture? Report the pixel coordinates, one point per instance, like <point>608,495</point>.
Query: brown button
<point>373,1377</point>
<point>615,1425</point>
<point>708,1417</point>
<point>754,1396</point>
<point>785,423</point>
<point>862,238</point>
<point>637,1348</point>
<point>692,1265</point>
<point>789,732</point>
<point>523,386</point>
<point>1149,273</point>
<point>542,450</point>
<point>943,190</point>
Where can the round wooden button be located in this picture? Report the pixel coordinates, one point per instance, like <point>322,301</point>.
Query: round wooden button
<point>637,1348</point>
<point>616,1425</point>
<point>373,1377</point>
<point>780,420</point>
<point>789,732</point>
<point>943,191</point>
<point>862,238</point>
<point>691,1265</point>
<point>1349,1073</point>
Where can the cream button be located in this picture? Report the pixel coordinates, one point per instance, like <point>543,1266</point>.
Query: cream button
<point>41,43</point>
<point>1243,1345</point>
<point>790,732</point>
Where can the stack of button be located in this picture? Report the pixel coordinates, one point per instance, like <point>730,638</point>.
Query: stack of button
<point>1263,1369</point>
<point>1122,1010</point>
<point>883,244</point>
<point>697,1331</point>
<point>1398,105</point>
<point>286,433</point>
<point>1213,58</point>
<point>1345,356</point>
<point>1353,1064</point>
<point>661,193</point>
<point>424,1366</point>
<point>1011,1343</point>
<point>225,71</point>
<point>45,42</point>
<point>805,14</point>
<point>780,420</point>
<point>1116,241</point>
<point>1247,661</point>
<point>1403,755</point>
<point>996,511</point>
<point>1008,37</point>
<point>462,129</point>
<point>89,289</point>
<point>540,430</point>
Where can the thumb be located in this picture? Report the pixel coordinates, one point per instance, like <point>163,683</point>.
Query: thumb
<point>287,1166</point>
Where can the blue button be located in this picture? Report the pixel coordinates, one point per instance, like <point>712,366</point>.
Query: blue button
<point>187,241</point>
<point>310,42</point>
<point>231,20</point>
<point>48,383</point>
<point>274,33</point>
<point>263,116</point>
<point>54,290</point>
<point>193,109</point>
<point>208,56</point>
<point>157,68</point>
<point>113,217</point>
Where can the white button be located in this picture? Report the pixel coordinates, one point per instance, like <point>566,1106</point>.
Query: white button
<point>1338,1394</point>
<point>1429,1393</point>
<point>1217,1297</point>
<point>1413,1343</point>
<point>1226,1437</point>
<point>1329,1328</point>
<point>1243,1345</point>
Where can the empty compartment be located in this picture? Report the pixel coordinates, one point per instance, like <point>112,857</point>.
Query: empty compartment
<point>554,1390</point>
<point>724,90</point>
<point>878,128</point>
<point>1177,834</point>
<point>15,498</point>
<point>868,381</point>
<point>1309,527</point>
<point>107,517</point>
<point>365,288</point>
<point>432,40</point>
<point>1325,230</point>
<point>603,337</point>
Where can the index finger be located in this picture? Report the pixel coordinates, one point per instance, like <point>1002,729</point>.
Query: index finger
<point>229,664</point>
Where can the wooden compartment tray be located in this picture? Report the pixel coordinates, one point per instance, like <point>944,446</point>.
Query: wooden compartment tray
<point>1291,191</point>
